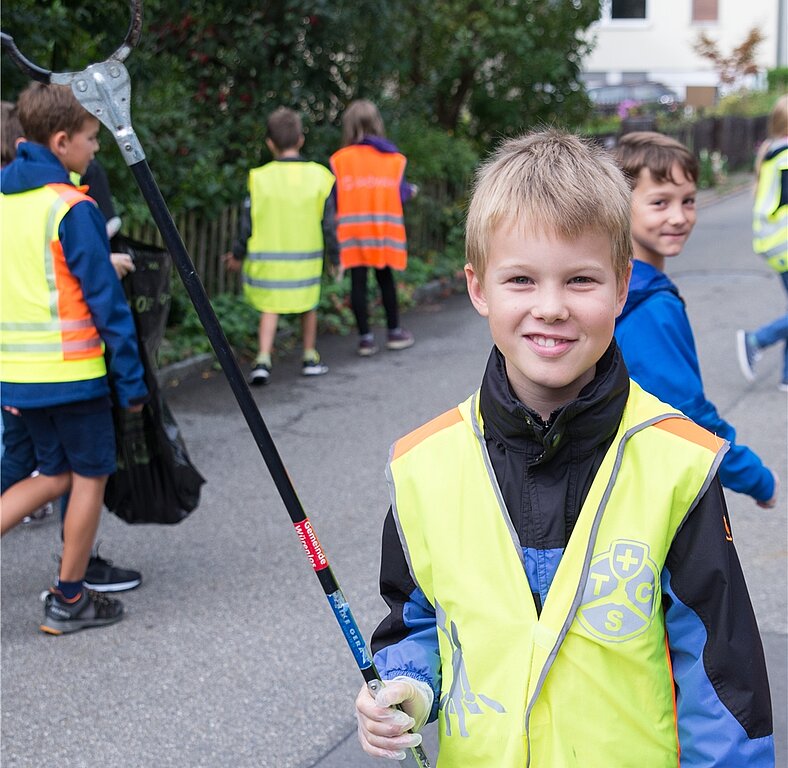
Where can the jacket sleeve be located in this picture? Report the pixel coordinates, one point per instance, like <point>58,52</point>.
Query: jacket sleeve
<point>722,690</point>
<point>329,225</point>
<point>86,249</point>
<point>406,641</point>
<point>660,355</point>
<point>244,230</point>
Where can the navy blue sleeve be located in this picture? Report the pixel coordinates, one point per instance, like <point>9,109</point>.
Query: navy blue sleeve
<point>244,230</point>
<point>406,641</point>
<point>722,690</point>
<point>659,351</point>
<point>84,239</point>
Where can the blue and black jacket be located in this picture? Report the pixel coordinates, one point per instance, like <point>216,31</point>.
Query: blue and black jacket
<point>545,471</point>
<point>83,237</point>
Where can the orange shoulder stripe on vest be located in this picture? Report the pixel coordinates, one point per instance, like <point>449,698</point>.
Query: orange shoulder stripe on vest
<point>689,430</point>
<point>404,444</point>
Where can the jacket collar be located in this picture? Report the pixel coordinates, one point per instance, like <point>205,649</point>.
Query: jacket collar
<point>589,421</point>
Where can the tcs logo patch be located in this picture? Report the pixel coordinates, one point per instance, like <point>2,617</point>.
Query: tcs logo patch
<point>620,594</point>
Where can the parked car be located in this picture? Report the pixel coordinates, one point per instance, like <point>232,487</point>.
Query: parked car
<point>651,96</point>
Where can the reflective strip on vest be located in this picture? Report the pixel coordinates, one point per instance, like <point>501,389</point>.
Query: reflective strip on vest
<point>284,264</point>
<point>46,331</point>
<point>588,682</point>
<point>370,222</point>
<point>770,211</point>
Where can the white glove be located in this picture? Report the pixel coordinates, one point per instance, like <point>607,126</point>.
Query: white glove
<point>382,728</point>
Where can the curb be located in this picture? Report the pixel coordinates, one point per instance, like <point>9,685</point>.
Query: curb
<point>172,375</point>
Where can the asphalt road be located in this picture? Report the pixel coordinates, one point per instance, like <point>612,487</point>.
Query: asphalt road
<point>229,654</point>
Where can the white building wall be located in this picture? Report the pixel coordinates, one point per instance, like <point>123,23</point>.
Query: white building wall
<point>661,46</point>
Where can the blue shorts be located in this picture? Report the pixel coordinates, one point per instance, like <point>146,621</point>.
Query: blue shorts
<point>73,437</point>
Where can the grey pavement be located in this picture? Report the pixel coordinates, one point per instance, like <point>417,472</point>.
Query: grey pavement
<point>229,654</point>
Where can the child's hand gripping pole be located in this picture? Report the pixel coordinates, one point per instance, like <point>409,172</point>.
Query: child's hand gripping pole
<point>390,715</point>
<point>104,90</point>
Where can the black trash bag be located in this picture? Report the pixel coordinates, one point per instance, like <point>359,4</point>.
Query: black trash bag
<point>155,481</point>
<point>147,290</point>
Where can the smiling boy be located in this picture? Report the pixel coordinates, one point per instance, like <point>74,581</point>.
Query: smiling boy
<point>550,542</point>
<point>653,331</point>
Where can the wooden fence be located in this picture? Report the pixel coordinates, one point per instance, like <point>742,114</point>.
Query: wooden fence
<point>428,219</point>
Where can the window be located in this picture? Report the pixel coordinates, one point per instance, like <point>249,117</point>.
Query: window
<point>624,11</point>
<point>705,10</point>
<point>627,9</point>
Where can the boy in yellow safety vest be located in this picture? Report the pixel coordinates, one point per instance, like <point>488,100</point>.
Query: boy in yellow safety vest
<point>61,308</point>
<point>286,225</point>
<point>562,581</point>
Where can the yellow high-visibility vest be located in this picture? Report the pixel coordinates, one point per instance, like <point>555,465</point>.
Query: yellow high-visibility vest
<point>47,333</point>
<point>284,261</point>
<point>770,212</point>
<point>588,682</point>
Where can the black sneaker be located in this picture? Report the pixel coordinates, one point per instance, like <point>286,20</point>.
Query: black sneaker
<point>102,576</point>
<point>313,367</point>
<point>259,374</point>
<point>91,610</point>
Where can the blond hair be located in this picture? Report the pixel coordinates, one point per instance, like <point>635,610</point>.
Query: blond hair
<point>361,119</point>
<point>554,183</point>
<point>778,118</point>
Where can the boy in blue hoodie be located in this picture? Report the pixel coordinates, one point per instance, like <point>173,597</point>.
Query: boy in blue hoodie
<point>653,331</point>
<point>61,309</point>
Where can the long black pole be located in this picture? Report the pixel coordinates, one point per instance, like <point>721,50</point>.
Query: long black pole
<point>104,90</point>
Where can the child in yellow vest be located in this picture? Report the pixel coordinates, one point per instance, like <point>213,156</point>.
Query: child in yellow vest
<point>287,223</point>
<point>61,308</point>
<point>558,563</point>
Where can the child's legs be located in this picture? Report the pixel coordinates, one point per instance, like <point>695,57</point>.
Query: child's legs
<point>775,331</point>
<point>28,495</point>
<point>80,525</point>
<point>267,332</point>
<point>309,329</point>
<point>358,298</point>
<point>388,294</point>
<point>19,456</point>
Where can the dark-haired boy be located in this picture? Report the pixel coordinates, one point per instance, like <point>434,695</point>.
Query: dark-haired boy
<point>287,223</point>
<point>653,330</point>
<point>62,308</point>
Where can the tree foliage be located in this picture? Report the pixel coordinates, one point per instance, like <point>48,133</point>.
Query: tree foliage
<point>740,62</point>
<point>207,73</point>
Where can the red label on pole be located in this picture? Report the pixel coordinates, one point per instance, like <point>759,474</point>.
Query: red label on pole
<point>311,545</point>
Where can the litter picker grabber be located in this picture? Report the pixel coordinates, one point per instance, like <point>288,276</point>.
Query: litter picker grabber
<point>104,90</point>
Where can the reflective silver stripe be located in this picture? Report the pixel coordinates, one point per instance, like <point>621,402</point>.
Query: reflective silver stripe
<point>49,260</point>
<point>280,284</point>
<point>373,242</point>
<point>66,346</point>
<point>284,256</point>
<point>52,325</point>
<point>777,250</point>
<point>375,218</point>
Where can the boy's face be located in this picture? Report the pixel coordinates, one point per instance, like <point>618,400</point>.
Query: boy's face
<point>77,150</point>
<point>663,215</point>
<point>551,305</point>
